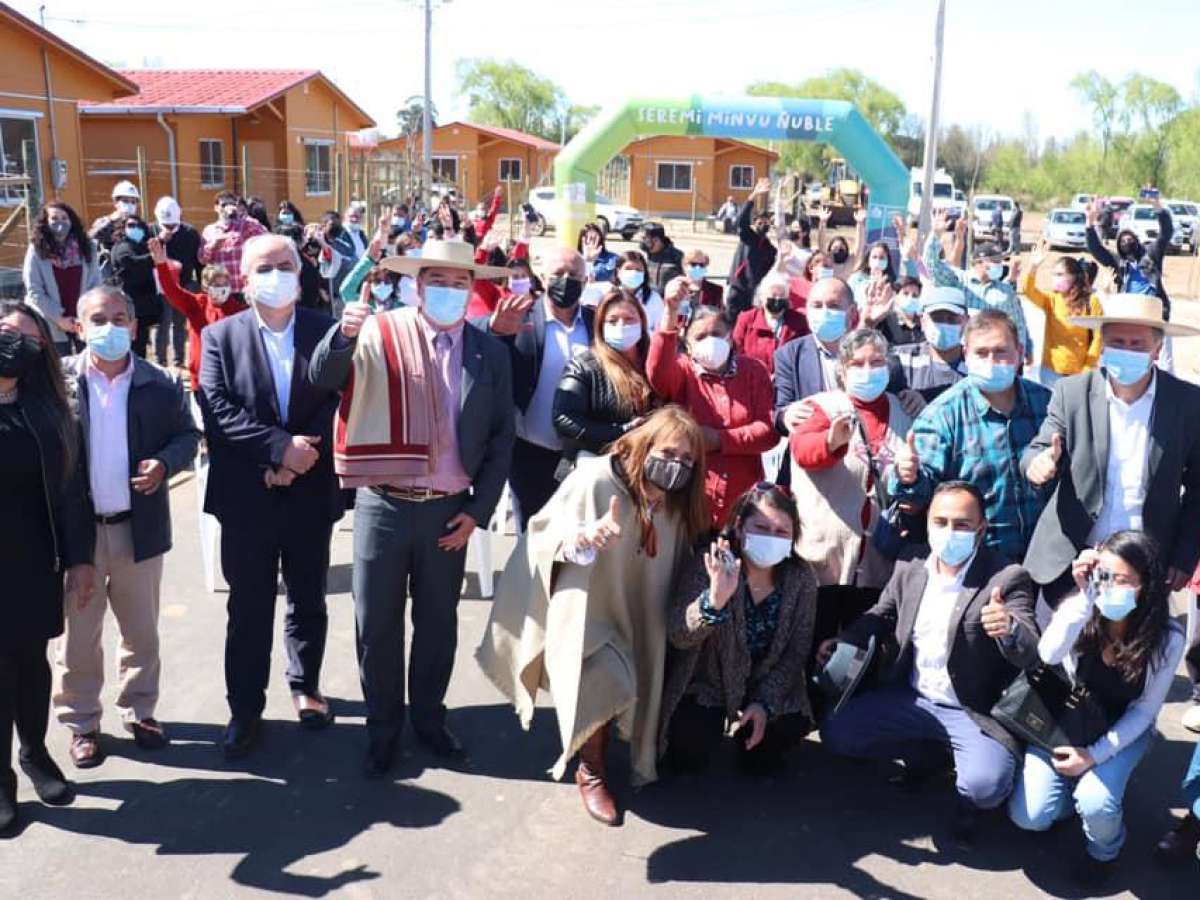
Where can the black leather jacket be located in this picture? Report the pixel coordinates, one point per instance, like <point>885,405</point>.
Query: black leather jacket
<point>588,414</point>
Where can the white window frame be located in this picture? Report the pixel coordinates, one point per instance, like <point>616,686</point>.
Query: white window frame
<point>691,167</point>
<point>738,187</point>
<point>8,198</point>
<point>220,169</point>
<point>318,143</point>
<point>443,158</point>
<point>511,160</point>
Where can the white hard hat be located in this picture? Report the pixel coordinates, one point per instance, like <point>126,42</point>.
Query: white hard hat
<point>167,211</point>
<point>125,189</point>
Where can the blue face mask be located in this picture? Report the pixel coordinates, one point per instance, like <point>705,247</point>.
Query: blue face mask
<point>622,336</point>
<point>697,273</point>
<point>952,547</point>
<point>399,221</point>
<point>1125,367</point>
<point>286,218</point>
<point>866,383</point>
<point>1115,602</point>
<point>445,306</point>
<point>827,324</point>
<point>990,377</point>
<point>135,234</point>
<point>108,341</point>
<point>995,272</point>
<point>945,336</point>
<point>909,304</point>
<point>381,290</point>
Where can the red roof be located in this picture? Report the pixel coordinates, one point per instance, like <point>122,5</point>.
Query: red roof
<point>222,91</point>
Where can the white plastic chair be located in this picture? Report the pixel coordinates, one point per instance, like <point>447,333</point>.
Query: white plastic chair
<point>479,550</point>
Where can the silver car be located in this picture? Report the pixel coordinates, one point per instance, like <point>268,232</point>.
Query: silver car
<point>1065,228</point>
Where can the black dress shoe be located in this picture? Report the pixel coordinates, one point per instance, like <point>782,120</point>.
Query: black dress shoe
<point>240,737</point>
<point>8,803</point>
<point>964,824</point>
<point>1180,842</point>
<point>379,759</point>
<point>1092,873</point>
<point>441,742</point>
<point>48,780</point>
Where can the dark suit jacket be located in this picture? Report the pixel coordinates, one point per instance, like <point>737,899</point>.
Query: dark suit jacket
<point>980,667</point>
<point>486,424</point>
<point>797,375</point>
<point>242,422</point>
<point>159,426</point>
<point>526,347</point>
<point>1079,412</point>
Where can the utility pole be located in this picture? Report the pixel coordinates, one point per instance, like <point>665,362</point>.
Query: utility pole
<point>426,118</point>
<point>931,131</point>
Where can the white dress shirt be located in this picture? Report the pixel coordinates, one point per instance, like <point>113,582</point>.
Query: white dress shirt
<point>1126,468</point>
<point>931,633</point>
<point>562,344</point>
<point>108,438</point>
<point>280,347</point>
<point>829,367</point>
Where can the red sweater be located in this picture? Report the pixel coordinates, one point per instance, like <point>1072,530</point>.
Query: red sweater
<point>199,312</point>
<point>754,336</point>
<point>738,406</point>
<point>486,294</point>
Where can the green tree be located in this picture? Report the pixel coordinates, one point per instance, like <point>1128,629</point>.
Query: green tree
<point>1153,105</point>
<point>1102,96</point>
<point>509,95</point>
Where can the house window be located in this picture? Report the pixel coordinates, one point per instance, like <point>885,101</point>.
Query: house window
<point>510,169</point>
<point>741,178</point>
<point>674,176</point>
<point>18,160</point>
<point>212,163</point>
<point>318,168</point>
<point>445,169</point>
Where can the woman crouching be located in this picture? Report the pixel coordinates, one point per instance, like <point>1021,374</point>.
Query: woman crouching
<point>582,607</point>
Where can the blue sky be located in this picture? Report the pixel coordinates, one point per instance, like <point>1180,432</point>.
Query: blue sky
<point>1002,60</point>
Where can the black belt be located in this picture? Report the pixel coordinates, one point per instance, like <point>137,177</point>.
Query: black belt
<point>413,495</point>
<point>115,518</point>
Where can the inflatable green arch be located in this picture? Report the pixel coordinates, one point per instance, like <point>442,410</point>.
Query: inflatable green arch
<point>834,122</point>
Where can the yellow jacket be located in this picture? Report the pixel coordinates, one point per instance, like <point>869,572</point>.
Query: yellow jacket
<point>1066,349</point>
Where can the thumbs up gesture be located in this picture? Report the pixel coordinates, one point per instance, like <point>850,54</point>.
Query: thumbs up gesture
<point>1044,467</point>
<point>604,530</point>
<point>997,622</point>
<point>908,463</point>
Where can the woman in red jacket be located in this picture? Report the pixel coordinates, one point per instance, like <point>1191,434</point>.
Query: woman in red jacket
<point>212,304</point>
<point>729,395</point>
<point>770,323</point>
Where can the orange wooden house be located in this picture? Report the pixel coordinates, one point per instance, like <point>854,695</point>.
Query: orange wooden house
<point>678,176</point>
<point>274,134</point>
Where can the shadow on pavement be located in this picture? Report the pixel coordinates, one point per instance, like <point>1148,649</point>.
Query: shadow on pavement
<point>301,795</point>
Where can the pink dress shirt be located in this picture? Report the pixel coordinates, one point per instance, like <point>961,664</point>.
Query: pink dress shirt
<point>108,438</point>
<point>448,474</point>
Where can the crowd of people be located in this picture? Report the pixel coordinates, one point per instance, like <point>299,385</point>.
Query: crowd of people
<point>978,523</point>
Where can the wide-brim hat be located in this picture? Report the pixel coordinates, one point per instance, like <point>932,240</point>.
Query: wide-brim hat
<point>437,254</point>
<point>1134,309</point>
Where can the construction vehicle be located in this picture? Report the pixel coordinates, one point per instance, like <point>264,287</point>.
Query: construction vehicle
<point>841,194</point>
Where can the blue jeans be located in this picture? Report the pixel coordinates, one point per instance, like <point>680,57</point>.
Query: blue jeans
<point>896,722</point>
<point>1043,796</point>
<point>1191,784</point>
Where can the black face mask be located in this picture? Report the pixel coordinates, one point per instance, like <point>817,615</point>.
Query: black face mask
<point>761,228</point>
<point>17,353</point>
<point>563,291</point>
<point>776,305</point>
<point>667,474</point>
<point>334,231</point>
<point>840,255</point>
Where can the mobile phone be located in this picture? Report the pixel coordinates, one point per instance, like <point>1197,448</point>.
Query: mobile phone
<point>1149,194</point>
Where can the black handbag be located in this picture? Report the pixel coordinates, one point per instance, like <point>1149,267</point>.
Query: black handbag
<point>1043,708</point>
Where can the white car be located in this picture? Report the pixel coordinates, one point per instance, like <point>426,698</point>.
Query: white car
<point>611,216</point>
<point>1142,220</point>
<point>1082,201</point>
<point>981,218</point>
<point>942,198</point>
<point>1065,228</point>
<point>1187,218</point>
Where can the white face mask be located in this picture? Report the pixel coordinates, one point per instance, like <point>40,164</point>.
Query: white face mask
<point>711,352</point>
<point>765,550</point>
<point>621,336</point>
<point>275,288</point>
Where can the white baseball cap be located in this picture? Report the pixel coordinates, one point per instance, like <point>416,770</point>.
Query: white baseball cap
<point>167,211</point>
<point>126,189</point>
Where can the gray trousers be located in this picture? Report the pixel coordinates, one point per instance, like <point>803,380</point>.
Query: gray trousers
<point>396,555</point>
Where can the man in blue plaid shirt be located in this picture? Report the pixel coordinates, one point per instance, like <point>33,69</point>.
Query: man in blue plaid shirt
<point>976,431</point>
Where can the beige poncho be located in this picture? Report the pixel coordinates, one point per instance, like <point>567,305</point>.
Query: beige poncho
<point>594,636</point>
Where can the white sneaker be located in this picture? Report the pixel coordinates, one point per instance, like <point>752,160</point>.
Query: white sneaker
<point>1191,718</point>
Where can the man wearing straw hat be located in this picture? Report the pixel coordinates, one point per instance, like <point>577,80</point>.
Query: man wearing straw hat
<point>1122,444</point>
<point>425,432</point>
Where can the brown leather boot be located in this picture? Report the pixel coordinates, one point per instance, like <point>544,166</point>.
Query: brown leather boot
<point>597,800</point>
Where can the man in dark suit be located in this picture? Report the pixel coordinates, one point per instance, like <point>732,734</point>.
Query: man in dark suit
<point>808,365</point>
<point>543,336</point>
<point>412,523</point>
<point>1121,444</point>
<point>271,484</point>
<point>954,631</point>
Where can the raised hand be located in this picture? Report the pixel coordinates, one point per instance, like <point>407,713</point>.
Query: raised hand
<point>1092,213</point>
<point>997,621</point>
<point>509,315</point>
<point>823,215</point>
<point>1082,566</point>
<point>158,253</point>
<point>1044,467</point>
<point>591,246</point>
<point>908,461</point>
<point>722,578</point>
<point>940,222</point>
<point>879,300</point>
<point>761,188</point>
<point>675,293</point>
<point>1038,255</point>
<point>353,317</point>
<point>860,216</point>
